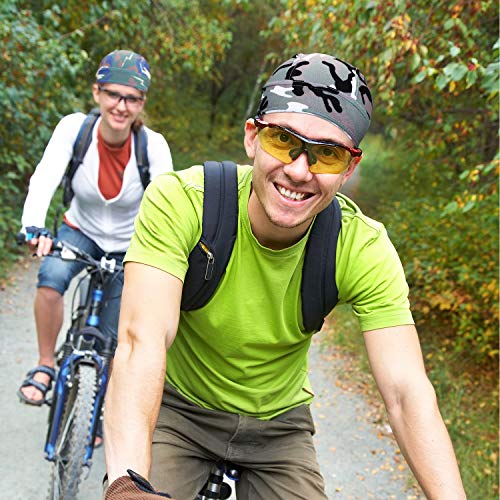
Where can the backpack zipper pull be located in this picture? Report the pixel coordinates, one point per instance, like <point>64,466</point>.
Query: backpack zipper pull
<point>210,261</point>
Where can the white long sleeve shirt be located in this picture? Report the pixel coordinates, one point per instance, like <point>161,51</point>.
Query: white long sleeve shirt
<point>109,223</point>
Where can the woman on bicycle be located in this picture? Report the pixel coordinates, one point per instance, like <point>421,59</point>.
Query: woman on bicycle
<point>107,192</point>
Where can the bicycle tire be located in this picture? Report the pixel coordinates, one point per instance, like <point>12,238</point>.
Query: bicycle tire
<point>67,469</point>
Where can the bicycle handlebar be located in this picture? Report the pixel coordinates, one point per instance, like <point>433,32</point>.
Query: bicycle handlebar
<point>67,251</point>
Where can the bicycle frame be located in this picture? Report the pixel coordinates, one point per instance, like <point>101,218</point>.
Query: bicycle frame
<point>80,347</point>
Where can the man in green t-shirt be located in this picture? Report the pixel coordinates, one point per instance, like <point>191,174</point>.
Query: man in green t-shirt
<point>233,385</point>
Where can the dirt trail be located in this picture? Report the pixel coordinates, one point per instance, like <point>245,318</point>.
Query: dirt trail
<point>357,460</point>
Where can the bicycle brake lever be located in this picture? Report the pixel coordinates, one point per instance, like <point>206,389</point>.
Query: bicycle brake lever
<point>67,254</point>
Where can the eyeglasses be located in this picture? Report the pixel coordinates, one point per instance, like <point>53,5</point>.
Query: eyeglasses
<point>286,145</point>
<point>116,98</point>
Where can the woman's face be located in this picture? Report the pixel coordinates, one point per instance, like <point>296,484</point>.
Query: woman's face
<point>120,105</point>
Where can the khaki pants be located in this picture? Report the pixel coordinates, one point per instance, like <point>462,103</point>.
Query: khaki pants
<point>277,456</point>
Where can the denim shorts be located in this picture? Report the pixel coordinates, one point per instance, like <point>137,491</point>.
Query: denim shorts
<point>57,274</point>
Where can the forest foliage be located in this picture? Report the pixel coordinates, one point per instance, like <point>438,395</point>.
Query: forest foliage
<point>433,68</point>
<point>431,168</point>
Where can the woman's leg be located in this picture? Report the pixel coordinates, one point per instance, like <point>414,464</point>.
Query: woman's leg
<point>49,313</point>
<point>54,277</point>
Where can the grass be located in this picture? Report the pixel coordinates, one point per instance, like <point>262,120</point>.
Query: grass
<point>467,395</point>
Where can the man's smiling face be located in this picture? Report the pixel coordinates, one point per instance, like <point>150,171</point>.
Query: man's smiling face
<point>286,197</point>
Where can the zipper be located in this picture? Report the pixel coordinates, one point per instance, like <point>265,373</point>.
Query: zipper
<point>210,261</point>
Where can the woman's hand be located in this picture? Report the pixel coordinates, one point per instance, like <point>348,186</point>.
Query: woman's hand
<point>39,240</point>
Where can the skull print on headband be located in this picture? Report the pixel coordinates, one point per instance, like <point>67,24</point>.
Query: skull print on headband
<point>320,85</point>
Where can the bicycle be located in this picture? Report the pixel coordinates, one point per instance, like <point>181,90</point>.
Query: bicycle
<point>80,384</point>
<point>215,487</point>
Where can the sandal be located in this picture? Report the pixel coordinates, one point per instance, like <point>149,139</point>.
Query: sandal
<point>43,388</point>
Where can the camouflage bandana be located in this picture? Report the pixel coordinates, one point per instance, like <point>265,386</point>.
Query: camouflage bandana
<point>125,68</point>
<point>320,85</point>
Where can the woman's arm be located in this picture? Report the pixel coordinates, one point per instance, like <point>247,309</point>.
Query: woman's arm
<point>49,172</point>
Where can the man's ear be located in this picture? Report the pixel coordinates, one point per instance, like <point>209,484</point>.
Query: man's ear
<point>250,140</point>
<point>95,92</point>
<point>351,168</point>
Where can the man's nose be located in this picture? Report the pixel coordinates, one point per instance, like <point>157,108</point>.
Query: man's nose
<point>298,170</point>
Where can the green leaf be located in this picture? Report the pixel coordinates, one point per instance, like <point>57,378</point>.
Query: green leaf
<point>450,208</point>
<point>490,167</point>
<point>420,77</point>
<point>441,81</point>
<point>468,206</point>
<point>491,79</point>
<point>471,78</point>
<point>455,71</point>
<point>449,23</point>
<point>415,61</point>
<point>423,50</point>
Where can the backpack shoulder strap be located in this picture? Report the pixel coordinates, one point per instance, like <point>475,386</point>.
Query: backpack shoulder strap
<point>141,155</point>
<point>209,258</point>
<point>319,288</point>
<point>80,147</point>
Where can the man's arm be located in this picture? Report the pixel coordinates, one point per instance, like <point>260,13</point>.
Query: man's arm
<point>397,365</point>
<point>148,324</point>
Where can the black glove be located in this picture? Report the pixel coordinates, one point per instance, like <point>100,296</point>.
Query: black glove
<point>133,487</point>
<point>32,232</point>
<point>36,232</point>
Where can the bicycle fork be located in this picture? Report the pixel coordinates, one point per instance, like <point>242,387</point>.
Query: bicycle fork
<point>63,385</point>
<point>86,339</point>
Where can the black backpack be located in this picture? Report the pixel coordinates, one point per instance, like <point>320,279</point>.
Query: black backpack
<point>209,258</point>
<point>82,143</point>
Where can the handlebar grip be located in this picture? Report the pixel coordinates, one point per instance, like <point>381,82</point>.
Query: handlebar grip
<point>21,238</point>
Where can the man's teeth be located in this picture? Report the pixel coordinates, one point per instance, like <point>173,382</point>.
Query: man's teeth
<point>292,195</point>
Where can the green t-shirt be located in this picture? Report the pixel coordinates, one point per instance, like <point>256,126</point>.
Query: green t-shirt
<point>246,350</point>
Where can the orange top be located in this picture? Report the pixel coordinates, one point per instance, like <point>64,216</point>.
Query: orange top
<point>112,163</point>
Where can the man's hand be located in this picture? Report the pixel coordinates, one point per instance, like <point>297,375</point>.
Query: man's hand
<point>133,487</point>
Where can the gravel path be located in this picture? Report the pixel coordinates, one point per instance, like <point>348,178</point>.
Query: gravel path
<point>357,459</point>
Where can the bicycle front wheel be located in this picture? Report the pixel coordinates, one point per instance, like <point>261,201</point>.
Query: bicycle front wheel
<point>73,436</point>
